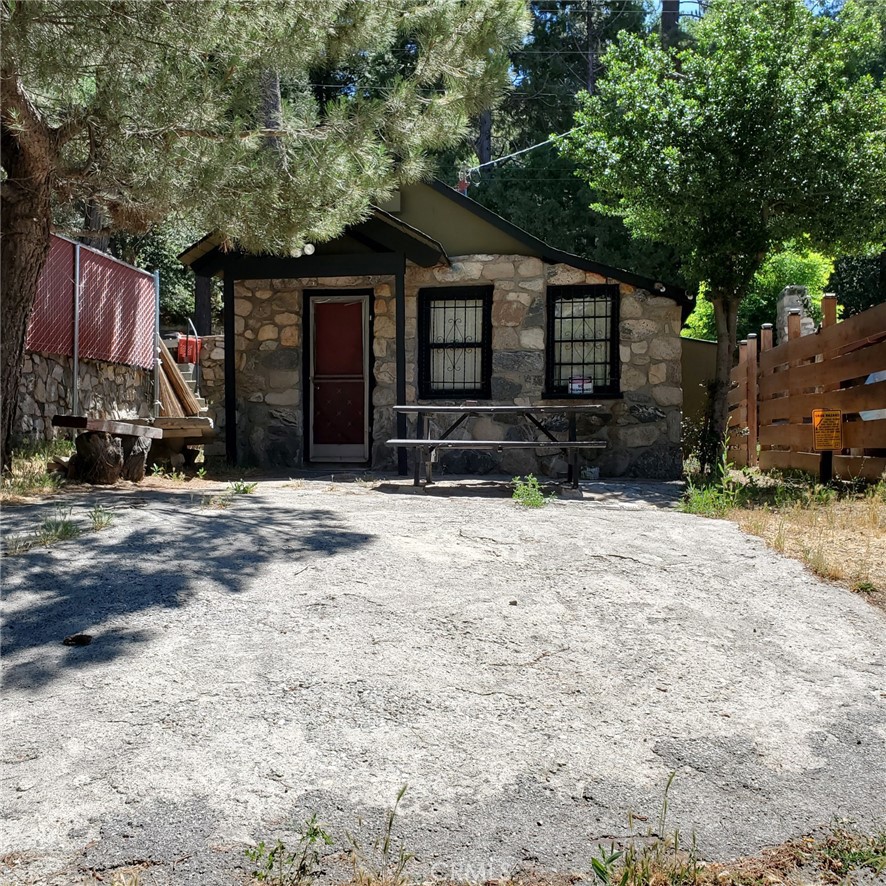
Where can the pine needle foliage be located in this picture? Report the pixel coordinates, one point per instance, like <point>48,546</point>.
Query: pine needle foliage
<point>156,105</point>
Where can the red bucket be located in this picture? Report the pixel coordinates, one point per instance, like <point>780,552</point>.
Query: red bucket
<point>189,350</point>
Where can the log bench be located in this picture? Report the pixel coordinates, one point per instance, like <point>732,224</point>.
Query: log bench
<point>99,458</point>
<point>427,447</point>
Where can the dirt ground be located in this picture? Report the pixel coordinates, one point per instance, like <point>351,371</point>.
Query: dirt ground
<point>533,676</point>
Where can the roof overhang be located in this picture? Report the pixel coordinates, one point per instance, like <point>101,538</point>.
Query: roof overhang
<point>381,232</point>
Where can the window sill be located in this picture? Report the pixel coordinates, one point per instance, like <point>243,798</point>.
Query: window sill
<point>597,395</point>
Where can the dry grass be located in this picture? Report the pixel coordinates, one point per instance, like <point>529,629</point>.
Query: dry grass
<point>838,531</point>
<point>839,538</point>
<point>28,477</point>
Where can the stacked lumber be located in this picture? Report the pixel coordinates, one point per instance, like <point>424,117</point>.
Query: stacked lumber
<point>177,400</point>
<point>169,403</point>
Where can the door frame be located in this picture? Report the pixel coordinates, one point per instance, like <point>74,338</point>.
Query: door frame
<point>311,296</point>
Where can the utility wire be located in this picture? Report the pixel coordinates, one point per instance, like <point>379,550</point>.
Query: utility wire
<point>471,169</point>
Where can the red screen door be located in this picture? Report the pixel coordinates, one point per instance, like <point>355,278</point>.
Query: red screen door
<point>339,428</point>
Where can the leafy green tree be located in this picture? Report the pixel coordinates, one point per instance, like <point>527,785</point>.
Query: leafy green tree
<point>271,122</point>
<point>762,131</point>
<point>793,266</point>
<point>859,282</point>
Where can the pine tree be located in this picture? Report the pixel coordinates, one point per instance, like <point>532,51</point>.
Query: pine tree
<point>136,107</point>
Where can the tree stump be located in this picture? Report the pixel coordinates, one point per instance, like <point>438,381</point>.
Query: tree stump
<point>98,459</point>
<point>135,457</point>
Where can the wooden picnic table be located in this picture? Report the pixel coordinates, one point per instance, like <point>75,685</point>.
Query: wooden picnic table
<point>534,415</point>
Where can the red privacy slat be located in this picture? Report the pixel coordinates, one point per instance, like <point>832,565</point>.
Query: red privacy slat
<point>51,327</point>
<point>116,311</point>
<point>116,308</point>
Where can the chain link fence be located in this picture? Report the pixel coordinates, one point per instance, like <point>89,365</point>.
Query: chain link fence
<point>51,327</point>
<point>115,316</point>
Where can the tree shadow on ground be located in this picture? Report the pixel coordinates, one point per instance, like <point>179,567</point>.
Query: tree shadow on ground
<point>163,549</point>
<point>616,492</point>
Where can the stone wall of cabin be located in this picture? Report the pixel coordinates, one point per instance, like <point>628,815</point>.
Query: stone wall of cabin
<point>642,427</point>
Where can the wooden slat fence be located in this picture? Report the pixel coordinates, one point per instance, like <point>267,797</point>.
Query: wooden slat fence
<point>775,390</point>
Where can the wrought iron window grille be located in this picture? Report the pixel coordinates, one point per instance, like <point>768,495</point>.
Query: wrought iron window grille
<point>455,342</point>
<point>582,354</point>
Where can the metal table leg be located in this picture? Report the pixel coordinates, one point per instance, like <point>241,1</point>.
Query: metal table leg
<point>420,434</point>
<point>573,461</point>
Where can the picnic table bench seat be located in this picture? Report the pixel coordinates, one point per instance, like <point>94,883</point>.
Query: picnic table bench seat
<point>500,444</point>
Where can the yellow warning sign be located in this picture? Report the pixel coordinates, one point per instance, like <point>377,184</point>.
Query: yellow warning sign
<point>827,429</point>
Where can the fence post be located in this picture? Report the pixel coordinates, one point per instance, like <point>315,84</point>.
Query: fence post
<point>752,399</point>
<point>765,336</point>
<point>828,309</point>
<point>739,444</point>
<point>75,381</point>
<point>793,324</point>
<point>156,344</point>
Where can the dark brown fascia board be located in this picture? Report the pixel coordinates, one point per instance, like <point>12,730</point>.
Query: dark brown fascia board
<point>418,246</point>
<point>197,250</point>
<point>556,256</point>
<point>381,228</point>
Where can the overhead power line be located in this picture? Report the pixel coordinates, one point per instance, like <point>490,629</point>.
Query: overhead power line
<point>549,141</point>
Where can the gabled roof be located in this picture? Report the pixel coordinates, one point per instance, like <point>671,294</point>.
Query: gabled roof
<point>504,229</point>
<point>431,223</point>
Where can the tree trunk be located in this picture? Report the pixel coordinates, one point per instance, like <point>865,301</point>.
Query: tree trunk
<point>726,315</point>
<point>484,137</point>
<point>94,220</point>
<point>98,459</point>
<point>670,22</point>
<point>24,246</point>
<point>135,457</point>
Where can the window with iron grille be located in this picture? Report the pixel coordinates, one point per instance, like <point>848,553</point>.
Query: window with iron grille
<point>582,341</point>
<point>455,342</point>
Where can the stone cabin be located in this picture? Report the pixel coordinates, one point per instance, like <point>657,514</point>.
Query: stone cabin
<point>434,300</point>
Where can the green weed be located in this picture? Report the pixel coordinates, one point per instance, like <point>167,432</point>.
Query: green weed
<point>240,487</point>
<point>653,859</point>
<point>278,866</point>
<point>218,502</point>
<point>527,492</point>
<point>163,473</point>
<point>201,473</point>
<point>59,527</point>
<point>100,518</point>
<point>845,849</point>
<point>382,864</point>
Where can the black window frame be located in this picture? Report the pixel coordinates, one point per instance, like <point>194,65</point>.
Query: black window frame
<point>428,295</point>
<point>584,290</point>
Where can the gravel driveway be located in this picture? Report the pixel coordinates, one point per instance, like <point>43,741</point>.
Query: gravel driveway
<point>533,676</point>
